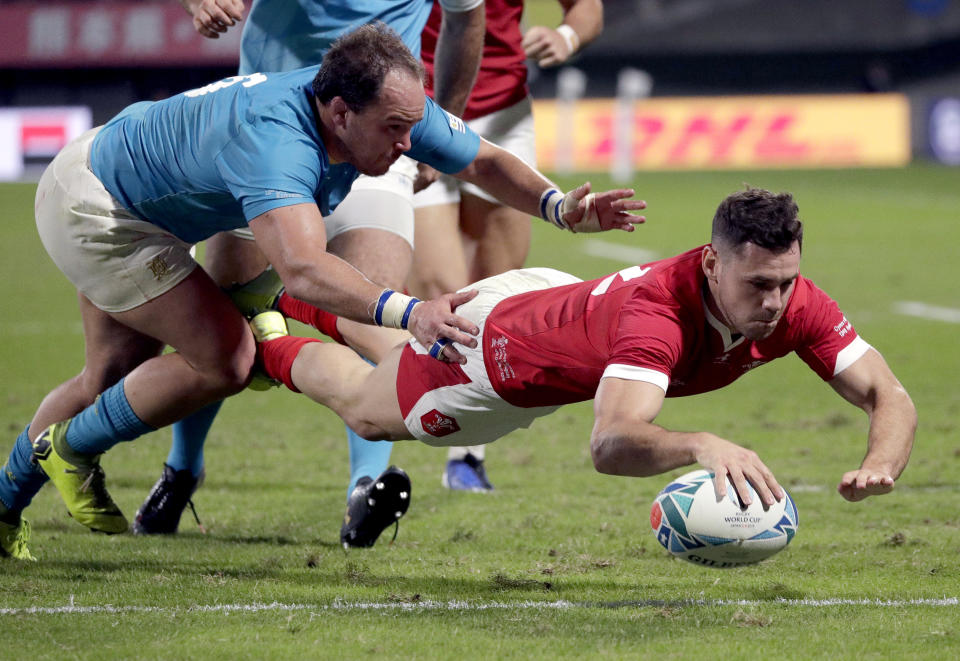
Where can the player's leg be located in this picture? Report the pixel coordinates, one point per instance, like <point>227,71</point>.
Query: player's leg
<point>229,258</point>
<point>439,264</point>
<point>499,236</point>
<point>113,352</point>
<point>372,229</point>
<point>496,239</point>
<point>213,357</point>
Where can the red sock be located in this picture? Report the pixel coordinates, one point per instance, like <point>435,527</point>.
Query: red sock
<point>277,356</point>
<point>311,315</point>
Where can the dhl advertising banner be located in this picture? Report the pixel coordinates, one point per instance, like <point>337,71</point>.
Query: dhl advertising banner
<point>748,132</point>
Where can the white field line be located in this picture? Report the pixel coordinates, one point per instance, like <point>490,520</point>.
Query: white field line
<point>429,605</point>
<point>927,311</point>
<point>617,251</point>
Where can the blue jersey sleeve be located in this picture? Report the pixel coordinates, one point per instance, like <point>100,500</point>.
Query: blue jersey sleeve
<point>442,140</point>
<point>265,168</point>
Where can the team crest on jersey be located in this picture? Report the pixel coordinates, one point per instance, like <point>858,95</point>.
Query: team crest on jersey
<point>456,123</point>
<point>438,424</point>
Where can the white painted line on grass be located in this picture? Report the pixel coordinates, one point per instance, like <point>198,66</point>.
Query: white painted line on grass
<point>927,311</point>
<point>618,251</point>
<point>430,605</point>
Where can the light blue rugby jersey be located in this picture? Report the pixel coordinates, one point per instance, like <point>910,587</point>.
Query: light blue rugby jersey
<point>280,35</point>
<point>213,158</point>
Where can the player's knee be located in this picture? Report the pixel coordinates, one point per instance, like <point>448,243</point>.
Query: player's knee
<point>366,429</point>
<point>233,371</point>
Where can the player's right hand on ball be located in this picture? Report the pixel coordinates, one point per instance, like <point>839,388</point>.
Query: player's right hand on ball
<point>435,325</point>
<point>741,465</point>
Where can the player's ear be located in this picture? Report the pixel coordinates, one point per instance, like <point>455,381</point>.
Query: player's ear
<point>709,261</point>
<point>338,111</point>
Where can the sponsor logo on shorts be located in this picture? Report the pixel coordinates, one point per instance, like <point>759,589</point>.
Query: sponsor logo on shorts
<point>159,267</point>
<point>438,424</point>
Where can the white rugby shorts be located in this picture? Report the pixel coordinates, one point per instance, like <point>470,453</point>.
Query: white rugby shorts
<point>116,260</point>
<point>446,403</point>
<point>383,203</point>
<point>510,128</point>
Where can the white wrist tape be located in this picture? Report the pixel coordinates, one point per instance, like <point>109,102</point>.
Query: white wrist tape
<point>590,222</point>
<point>571,38</point>
<point>393,309</point>
<point>550,202</point>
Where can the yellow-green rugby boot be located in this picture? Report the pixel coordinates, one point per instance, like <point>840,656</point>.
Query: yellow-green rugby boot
<point>13,540</point>
<point>80,480</point>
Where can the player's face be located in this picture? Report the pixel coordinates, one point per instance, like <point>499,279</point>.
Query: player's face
<point>751,286</point>
<point>379,134</point>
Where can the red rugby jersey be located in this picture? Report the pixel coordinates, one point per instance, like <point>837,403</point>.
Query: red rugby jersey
<point>648,323</point>
<point>502,79</point>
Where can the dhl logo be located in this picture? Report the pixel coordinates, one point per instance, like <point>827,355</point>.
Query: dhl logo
<point>728,132</point>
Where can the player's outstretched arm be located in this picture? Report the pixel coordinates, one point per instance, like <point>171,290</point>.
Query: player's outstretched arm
<point>582,23</point>
<point>625,441</point>
<point>516,184</point>
<point>293,240</point>
<point>211,18</point>
<point>870,384</point>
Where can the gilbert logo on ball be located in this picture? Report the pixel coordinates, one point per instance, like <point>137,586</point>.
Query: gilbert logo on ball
<point>692,524</point>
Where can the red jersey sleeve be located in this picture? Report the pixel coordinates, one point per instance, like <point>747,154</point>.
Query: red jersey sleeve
<point>828,343</point>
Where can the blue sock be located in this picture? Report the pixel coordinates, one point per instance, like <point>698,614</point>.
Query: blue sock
<point>106,422</point>
<point>189,435</point>
<point>367,458</point>
<point>20,479</point>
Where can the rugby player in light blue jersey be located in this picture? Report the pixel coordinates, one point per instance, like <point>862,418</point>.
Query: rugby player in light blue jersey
<point>124,241</point>
<point>373,229</point>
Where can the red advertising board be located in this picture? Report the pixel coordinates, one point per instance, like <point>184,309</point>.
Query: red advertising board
<point>51,34</point>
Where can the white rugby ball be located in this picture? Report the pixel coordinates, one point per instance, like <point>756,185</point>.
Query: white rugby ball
<point>692,524</point>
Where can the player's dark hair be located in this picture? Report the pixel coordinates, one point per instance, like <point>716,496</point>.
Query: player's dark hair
<point>754,215</point>
<point>357,63</point>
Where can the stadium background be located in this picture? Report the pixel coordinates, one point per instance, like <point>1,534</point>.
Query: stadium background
<point>104,54</point>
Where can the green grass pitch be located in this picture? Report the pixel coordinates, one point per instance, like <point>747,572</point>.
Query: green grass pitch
<point>559,562</point>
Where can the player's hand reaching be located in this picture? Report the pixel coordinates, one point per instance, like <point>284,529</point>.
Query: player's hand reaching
<point>583,211</point>
<point>426,175</point>
<point>211,18</point>
<point>546,45</point>
<point>741,465</point>
<point>435,326</point>
<point>857,485</point>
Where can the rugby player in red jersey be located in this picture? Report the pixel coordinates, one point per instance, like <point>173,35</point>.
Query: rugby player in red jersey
<point>675,327</point>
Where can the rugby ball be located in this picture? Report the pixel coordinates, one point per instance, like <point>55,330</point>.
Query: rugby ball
<point>692,524</point>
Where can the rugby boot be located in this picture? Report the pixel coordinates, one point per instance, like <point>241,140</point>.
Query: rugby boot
<point>373,506</point>
<point>160,513</point>
<point>467,474</point>
<point>79,479</point>
<point>13,540</point>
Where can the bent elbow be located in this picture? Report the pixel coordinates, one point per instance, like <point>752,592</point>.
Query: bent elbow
<point>604,455</point>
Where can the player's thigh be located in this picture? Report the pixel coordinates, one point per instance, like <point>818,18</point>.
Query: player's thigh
<point>439,264</point>
<point>111,349</point>
<point>500,236</point>
<point>233,257</point>
<point>378,404</point>
<point>372,228</point>
<point>382,256</point>
<point>201,323</point>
